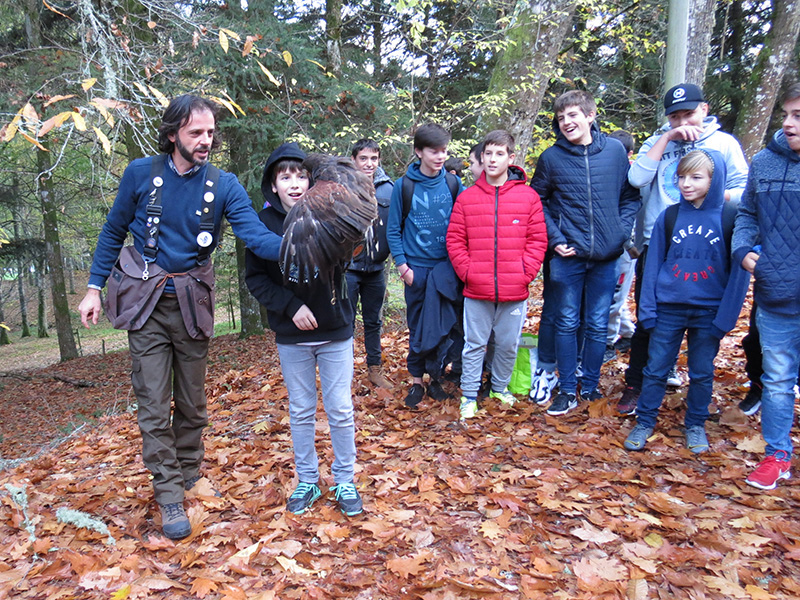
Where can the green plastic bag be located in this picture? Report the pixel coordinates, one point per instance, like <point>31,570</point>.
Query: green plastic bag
<point>525,365</point>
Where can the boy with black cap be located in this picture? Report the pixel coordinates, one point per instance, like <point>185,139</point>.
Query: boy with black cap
<point>688,128</point>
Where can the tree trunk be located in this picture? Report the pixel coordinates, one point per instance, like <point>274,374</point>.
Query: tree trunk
<point>4,339</point>
<point>333,35</point>
<point>41,326</point>
<point>249,307</point>
<point>524,70</point>
<point>377,38</point>
<point>250,316</point>
<point>765,81</point>
<point>701,27</point>
<point>50,210</point>
<point>23,306</point>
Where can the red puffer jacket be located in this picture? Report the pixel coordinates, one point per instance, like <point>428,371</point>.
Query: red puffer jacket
<point>497,238</point>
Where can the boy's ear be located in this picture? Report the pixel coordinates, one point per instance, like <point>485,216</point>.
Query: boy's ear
<point>511,158</point>
<point>418,153</point>
<point>274,189</point>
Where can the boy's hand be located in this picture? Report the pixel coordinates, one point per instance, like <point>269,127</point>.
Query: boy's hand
<point>686,133</point>
<point>304,319</point>
<point>749,262</point>
<point>564,250</point>
<point>406,274</point>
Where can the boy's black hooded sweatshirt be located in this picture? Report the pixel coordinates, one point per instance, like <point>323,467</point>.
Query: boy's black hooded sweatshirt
<point>331,308</point>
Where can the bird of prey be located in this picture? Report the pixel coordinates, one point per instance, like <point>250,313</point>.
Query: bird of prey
<point>330,223</point>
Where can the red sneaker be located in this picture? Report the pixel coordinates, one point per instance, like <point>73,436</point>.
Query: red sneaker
<point>769,471</point>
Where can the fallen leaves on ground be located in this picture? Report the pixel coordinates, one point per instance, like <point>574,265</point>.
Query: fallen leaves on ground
<point>512,504</point>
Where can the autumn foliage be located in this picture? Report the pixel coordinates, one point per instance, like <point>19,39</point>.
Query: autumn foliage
<point>515,504</point>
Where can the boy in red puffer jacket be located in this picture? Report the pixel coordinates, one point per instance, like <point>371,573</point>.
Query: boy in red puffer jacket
<point>496,241</point>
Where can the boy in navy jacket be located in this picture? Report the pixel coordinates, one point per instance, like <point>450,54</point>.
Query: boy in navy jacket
<point>589,208</point>
<point>689,285</point>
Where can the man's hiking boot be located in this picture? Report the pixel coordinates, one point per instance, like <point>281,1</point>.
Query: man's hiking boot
<point>174,521</point>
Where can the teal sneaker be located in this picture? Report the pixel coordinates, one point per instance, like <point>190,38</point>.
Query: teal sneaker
<point>349,501</point>
<point>304,495</point>
<point>505,397</point>
<point>469,408</point>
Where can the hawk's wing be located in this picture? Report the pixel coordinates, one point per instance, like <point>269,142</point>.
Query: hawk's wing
<point>329,222</point>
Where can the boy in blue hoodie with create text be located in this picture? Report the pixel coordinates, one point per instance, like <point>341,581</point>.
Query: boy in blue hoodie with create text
<point>689,285</point>
<point>689,127</point>
<point>417,240</point>
<point>313,329</point>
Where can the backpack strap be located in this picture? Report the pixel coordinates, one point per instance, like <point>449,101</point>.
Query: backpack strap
<point>670,216</point>
<point>452,183</point>
<point>153,213</point>
<point>205,237</point>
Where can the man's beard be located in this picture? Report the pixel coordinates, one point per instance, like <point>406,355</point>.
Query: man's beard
<point>189,156</point>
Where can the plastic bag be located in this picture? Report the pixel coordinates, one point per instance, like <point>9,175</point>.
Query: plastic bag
<point>525,364</point>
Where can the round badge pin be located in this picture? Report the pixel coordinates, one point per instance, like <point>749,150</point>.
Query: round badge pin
<point>204,239</point>
<point>208,196</point>
<point>157,181</point>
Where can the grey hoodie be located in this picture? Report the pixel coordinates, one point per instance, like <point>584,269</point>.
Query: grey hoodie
<point>658,180</point>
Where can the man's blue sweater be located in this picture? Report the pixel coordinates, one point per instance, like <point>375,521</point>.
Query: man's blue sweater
<point>182,203</point>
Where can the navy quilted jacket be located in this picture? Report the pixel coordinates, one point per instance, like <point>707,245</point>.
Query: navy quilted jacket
<point>769,215</point>
<point>587,200</point>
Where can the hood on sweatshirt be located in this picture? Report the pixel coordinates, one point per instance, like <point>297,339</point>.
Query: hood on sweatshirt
<point>780,145</point>
<point>715,197</point>
<point>287,150</point>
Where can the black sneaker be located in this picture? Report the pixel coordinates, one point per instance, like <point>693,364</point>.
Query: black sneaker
<point>453,377</point>
<point>415,394</point>
<point>627,403</point>
<point>304,495</point>
<point>349,501</point>
<point>436,392</point>
<point>590,397</point>
<point>752,401</point>
<point>562,404</point>
<point>174,521</point>
<point>609,354</point>
<point>623,344</point>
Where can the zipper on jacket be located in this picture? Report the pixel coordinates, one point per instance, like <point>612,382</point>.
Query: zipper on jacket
<point>496,218</point>
<point>589,193</point>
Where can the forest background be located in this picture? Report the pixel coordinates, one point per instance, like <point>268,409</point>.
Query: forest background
<point>514,505</point>
<point>83,84</point>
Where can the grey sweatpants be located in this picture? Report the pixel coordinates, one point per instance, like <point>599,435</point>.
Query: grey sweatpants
<point>481,317</point>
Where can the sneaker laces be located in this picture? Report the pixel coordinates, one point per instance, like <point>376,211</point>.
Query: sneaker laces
<point>302,489</point>
<point>173,510</point>
<point>345,491</point>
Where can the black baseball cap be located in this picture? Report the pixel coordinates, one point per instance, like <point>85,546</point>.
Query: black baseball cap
<point>685,96</point>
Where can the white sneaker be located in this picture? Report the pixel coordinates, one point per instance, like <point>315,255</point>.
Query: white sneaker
<point>673,378</point>
<point>542,385</point>
<point>469,408</point>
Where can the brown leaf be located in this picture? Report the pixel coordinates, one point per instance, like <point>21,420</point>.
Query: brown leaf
<point>408,566</point>
<point>201,587</point>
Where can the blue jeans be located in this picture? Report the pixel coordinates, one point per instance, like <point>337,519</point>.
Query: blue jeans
<point>780,348</point>
<point>665,341</point>
<point>580,282</point>
<point>335,361</point>
<point>370,286</point>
